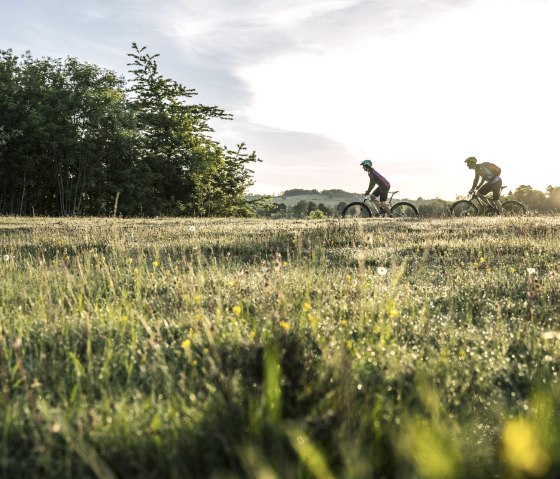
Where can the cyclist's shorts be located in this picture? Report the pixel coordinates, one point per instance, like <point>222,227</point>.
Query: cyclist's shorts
<point>383,193</point>
<point>495,188</point>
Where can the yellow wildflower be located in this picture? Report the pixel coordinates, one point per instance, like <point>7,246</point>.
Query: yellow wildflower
<point>236,310</point>
<point>306,307</point>
<point>186,344</point>
<point>522,450</point>
<point>285,325</point>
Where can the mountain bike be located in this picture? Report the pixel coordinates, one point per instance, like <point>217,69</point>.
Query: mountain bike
<point>360,209</point>
<point>476,206</point>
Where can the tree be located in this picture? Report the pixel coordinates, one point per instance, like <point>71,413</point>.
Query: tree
<point>75,139</point>
<point>64,123</point>
<point>553,196</point>
<point>340,207</point>
<point>301,209</point>
<point>325,209</point>
<point>533,199</point>
<point>186,171</point>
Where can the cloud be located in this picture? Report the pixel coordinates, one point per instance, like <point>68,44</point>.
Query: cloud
<point>474,81</point>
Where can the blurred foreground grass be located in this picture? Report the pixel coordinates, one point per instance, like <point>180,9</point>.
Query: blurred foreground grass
<point>251,348</point>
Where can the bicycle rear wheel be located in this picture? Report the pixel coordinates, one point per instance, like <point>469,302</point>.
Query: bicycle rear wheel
<point>403,209</point>
<point>356,210</point>
<point>463,208</point>
<point>514,208</point>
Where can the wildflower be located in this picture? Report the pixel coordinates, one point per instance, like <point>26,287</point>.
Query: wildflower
<point>192,229</point>
<point>531,271</point>
<point>197,299</point>
<point>155,264</point>
<point>382,271</point>
<point>123,319</point>
<point>236,310</point>
<point>6,257</point>
<point>306,307</point>
<point>511,270</point>
<point>522,449</point>
<point>285,325</point>
<point>186,344</point>
<point>394,313</point>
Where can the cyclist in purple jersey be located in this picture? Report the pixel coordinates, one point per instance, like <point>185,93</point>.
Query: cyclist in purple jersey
<point>486,180</point>
<point>380,194</point>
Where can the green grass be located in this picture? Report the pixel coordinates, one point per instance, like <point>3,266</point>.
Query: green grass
<point>253,348</point>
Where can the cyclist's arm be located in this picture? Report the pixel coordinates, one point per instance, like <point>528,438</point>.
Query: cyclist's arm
<point>371,185</point>
<point>475,184</point>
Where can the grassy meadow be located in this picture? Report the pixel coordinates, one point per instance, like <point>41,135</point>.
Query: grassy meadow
<point>229,348</point>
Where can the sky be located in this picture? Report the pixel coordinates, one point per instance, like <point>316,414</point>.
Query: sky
<point>317,86</point>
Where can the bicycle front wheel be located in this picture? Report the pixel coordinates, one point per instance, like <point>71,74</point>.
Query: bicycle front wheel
<point>403,209</point>
<point>514,208</point>
<point>463,208</point>
<point>356,210</point>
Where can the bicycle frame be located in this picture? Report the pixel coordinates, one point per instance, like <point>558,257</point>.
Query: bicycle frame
<point>475,197</point>
<point>389,199</point>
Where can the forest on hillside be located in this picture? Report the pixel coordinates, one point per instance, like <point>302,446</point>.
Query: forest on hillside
<point>77,139</point>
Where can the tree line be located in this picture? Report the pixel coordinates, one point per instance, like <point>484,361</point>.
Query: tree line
<point>547,202</point>
<point>77,139</point>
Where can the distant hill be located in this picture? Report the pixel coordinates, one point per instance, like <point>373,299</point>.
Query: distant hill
<point>329,198</point>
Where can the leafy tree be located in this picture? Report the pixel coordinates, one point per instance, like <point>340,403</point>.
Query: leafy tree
<point>64,124</point>
<point>553,196</point>
<point>186,171</point>
<point>339,207</point>
<point>325,209</point>
<point>533,199</point>
<point>301,209</point>
<point>74,139</point>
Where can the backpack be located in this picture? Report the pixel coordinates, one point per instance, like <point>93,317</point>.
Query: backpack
<point>492,168</point>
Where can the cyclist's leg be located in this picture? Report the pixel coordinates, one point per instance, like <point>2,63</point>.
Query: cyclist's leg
<point>496,192</point>
<point>483,191</point>
<point>379,197</point>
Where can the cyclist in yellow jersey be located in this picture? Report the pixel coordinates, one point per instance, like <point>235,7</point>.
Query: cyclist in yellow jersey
<point>486,180</point>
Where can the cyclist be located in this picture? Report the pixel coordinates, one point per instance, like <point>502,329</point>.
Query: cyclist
<point>380,194</point>
<point>486,179</point>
